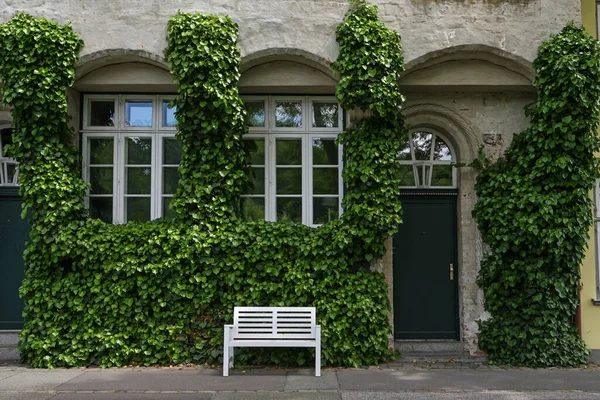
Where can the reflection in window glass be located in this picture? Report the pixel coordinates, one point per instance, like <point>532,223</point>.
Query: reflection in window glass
<point>101,208</point>
<point>255,151</point>
<point>289,151</point>
<point>289,181</point>
<point>139,150</point>
<point>441,151</point>
<point>422,145</point>
<point>325,115</point>
<point>168,119</point>
<point>325,209</point>
<point>171,151</point>
<point>404,153</point>
<point>137,209</point>
<point>288,114</point>
<point>102,113</point>
<point>253,208</point>
<point>138,113</point>
<point>325,151</point>
<point>101,151</point>
<point>441,175</point>
<point>101,180</point>
<point>407,175</point>
<point>289,209</point>
<point>255,113</point>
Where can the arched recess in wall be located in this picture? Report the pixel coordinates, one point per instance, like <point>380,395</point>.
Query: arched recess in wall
<point>285,70</point>
<point>471,67</point>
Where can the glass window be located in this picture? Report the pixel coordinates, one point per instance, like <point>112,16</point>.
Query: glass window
<point>132,175</point>
<point>426,161</point>
<point>8,167</point>
<point>296,167</point>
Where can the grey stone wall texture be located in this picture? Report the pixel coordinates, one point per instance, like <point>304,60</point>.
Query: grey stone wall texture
<point>468,70</point>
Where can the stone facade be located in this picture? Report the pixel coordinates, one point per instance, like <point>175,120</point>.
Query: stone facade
<point>468,71</point>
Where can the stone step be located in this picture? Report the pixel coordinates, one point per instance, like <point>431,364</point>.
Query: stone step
<point>429,346</point>
<point>449,358</point>
<point>8,346</point>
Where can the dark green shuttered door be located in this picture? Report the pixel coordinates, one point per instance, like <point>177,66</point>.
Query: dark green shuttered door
<point>13,234</point>
<point>425,296</point>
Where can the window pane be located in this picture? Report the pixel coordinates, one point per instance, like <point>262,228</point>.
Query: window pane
<point>289,152</point>
<point>258,180</point>
<point>139,151</point>
<point>137,208</point>
<point>288,114</point>
<point>102,113</point>
<point>407,176</point>
<point>325,115</point>
<point>255,151</point>
<point>289,181</point>
<point>101,151</point>
<point>422,145</point>
<point>101,208</point>
<point>171,151</point>
<point>325,209</point>
<point>289,209</point>
<point>255,113</point>
<point>441,175</point>
<point>101,180</point>
<point>5,139</point>
<point>325,152</point>
<point>423,175</point>
<point>325,181</point>
<point>170,180</point>
<point>167,212</point>
<point>441,151</point>
<point>138,180</point>
<point>404,154</point>
<point>253,208</point>
<point>138,113</point>
<point>168,118</point>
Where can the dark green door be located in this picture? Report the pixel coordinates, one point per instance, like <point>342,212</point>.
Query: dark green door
<point>425,289</point>
<point>13,234</point>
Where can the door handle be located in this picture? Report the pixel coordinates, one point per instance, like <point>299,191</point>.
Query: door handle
<point>451,271</point>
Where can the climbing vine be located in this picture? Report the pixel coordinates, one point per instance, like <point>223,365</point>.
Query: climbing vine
<point>534,211</point>
<point>160,292</point>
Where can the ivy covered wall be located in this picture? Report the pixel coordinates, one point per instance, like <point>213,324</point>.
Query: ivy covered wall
<point>160,292</point>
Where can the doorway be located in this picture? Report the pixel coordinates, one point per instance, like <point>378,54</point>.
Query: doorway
<point>425,268</point>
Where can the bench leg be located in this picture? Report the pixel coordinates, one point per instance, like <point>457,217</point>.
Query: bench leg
<point>232,353</point>
<point>226,353</point>
<point>318,353</point>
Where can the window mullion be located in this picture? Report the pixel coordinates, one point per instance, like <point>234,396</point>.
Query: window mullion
<point>118,202</point>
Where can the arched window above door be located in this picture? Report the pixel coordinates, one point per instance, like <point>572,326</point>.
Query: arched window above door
<point>426,161</point>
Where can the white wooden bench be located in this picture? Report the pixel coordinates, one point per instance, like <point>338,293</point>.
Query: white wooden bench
<point>272,327</point>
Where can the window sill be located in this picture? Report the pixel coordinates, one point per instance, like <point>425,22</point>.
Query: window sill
<point>596,302</point>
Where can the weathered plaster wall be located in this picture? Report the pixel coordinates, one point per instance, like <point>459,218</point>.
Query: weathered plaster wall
<point>590,313</point>
<point>425,25</point>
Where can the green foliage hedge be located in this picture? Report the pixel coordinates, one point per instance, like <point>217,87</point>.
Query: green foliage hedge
<point>534,211</point>
<point>160,292</point>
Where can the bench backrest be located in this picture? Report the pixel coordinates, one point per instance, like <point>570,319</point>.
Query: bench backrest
<point>274,322</point>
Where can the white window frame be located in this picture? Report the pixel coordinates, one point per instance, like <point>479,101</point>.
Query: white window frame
<point>5,162</point>
<point>270,133</point>
<point>414,162</point>
<point>119,134</point>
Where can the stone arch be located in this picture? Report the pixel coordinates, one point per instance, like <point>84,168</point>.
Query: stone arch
<point>103,58</point>
<point>288,70</point>
<point>469,67</point>
<point>463,136</point>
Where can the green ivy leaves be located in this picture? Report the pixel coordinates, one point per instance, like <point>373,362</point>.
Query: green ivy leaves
<point>160,292</point>
<point>534,211</point>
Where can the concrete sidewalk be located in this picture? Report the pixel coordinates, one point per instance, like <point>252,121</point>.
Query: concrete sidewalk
<point>444,381</point>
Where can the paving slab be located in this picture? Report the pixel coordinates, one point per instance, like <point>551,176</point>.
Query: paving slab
<point>305,380</point>
<point>133,396</point>
<point>7,373</point>
<point>514,379</point>
<point>172,380</point>
<point>302,395</point>
<point>39,379</point>
<point>26,396</point>
<point>488,395</point>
